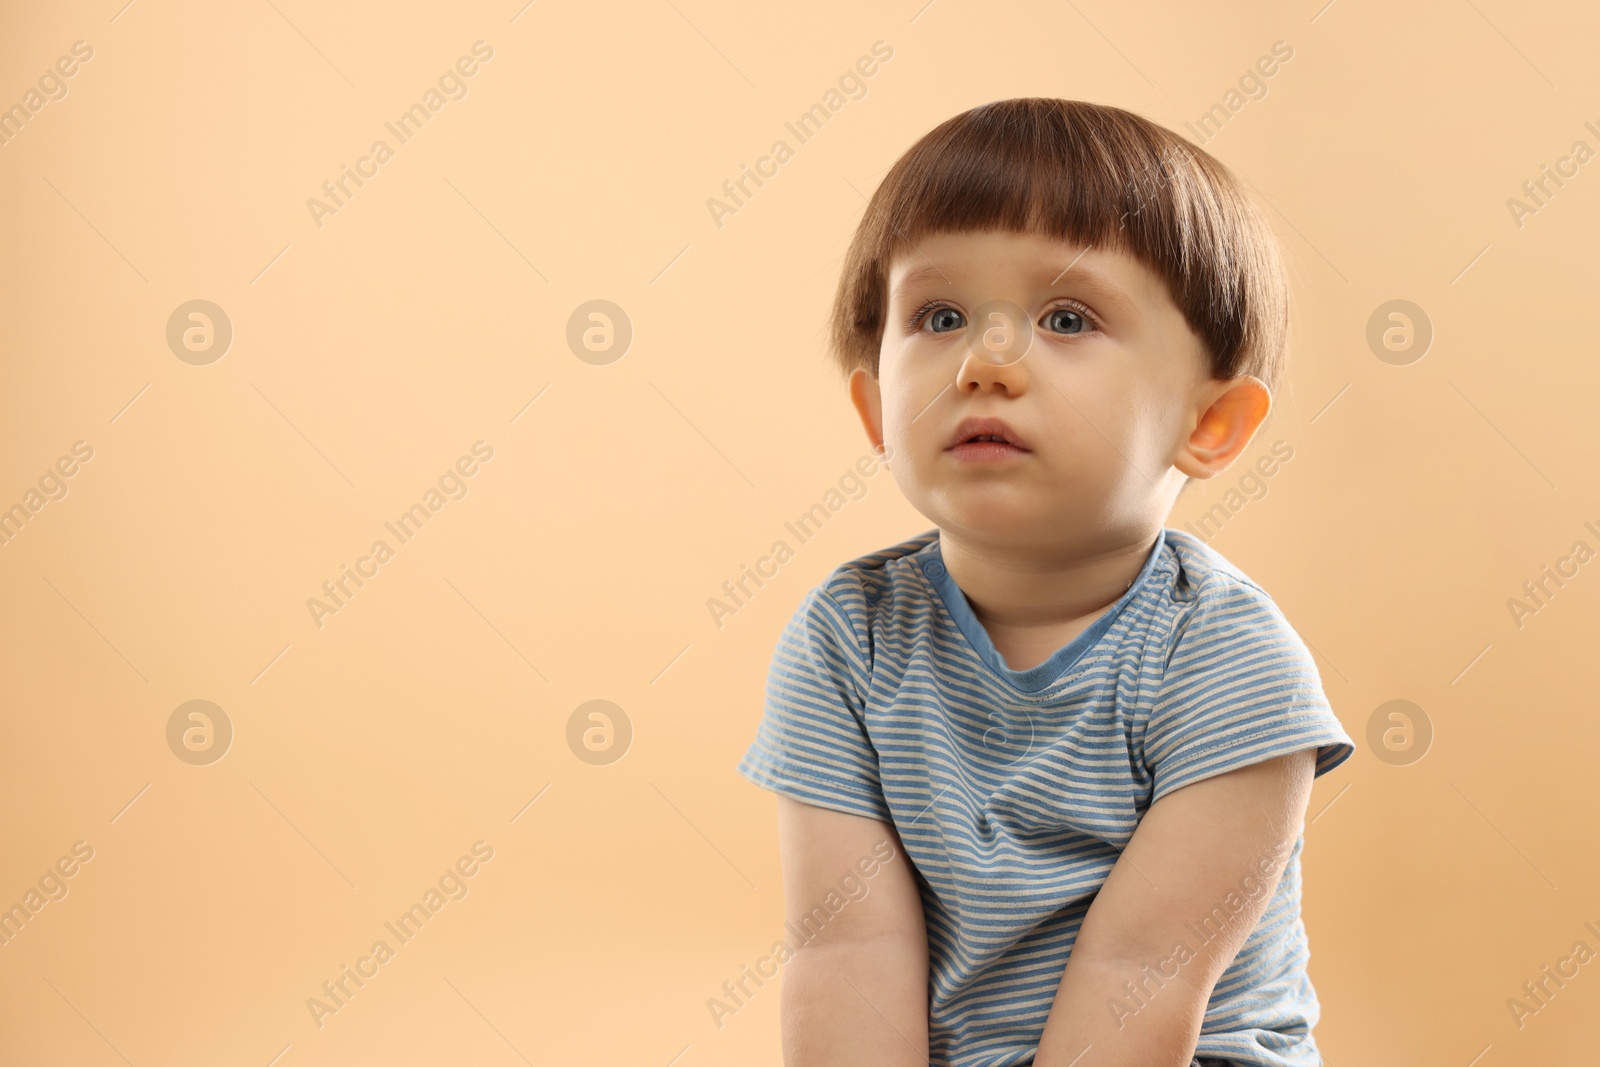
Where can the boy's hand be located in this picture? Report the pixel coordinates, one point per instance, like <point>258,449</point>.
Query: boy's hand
<point>856,989</point>
<point>1212,850</point>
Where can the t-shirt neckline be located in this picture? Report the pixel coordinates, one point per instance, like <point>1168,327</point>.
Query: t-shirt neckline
<point>1062,659</point>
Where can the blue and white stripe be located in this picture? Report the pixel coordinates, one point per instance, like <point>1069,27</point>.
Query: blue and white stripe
<point>1015,791</point>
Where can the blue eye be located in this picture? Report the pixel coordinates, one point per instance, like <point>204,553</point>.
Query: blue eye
<point>942,315</point>
<point>946,319</point>
<point>1062,325</point>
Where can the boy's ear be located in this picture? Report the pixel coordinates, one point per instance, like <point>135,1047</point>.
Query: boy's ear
<point>868,403</point>
<point>1229,413</point>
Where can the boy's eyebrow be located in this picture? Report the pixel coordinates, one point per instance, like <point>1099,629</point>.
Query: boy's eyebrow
<point>1076,274</point>
<point>1097,282</point>
<point>920,275</point>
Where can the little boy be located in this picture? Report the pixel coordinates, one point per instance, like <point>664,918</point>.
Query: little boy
<point>1086,740</point>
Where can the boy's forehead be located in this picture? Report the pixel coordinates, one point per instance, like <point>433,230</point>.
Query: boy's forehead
<point>943,260</point>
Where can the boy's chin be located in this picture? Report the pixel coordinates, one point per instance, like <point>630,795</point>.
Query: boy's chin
<point>1017,514</point>
<point>987,515</point>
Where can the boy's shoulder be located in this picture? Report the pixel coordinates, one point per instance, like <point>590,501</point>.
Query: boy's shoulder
<point>1193,613</point>
<point>1202,570</point>
<point>1225,608</point>
<point>869,577</point>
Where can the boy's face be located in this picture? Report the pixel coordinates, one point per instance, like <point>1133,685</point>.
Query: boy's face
<point>1111,399</point>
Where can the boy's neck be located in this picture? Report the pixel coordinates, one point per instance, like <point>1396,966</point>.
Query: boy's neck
<point>1015,591</point>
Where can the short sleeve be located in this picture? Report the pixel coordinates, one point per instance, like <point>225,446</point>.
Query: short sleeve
<point>1240,687</point>
<point>812,742</point>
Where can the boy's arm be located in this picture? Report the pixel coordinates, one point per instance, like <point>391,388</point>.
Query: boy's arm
<point>1206,846</point>
<point>856,992</point>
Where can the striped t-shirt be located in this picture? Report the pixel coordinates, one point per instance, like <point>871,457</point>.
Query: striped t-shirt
<point>1014,792</point>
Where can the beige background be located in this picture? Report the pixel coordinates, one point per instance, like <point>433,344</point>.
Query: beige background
<point>368,354</point>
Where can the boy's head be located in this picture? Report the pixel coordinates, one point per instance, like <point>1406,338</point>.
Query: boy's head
<point>1092,280</point>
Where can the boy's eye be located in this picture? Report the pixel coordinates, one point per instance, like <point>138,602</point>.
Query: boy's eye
<point>1062,320</point>
<point>942,318</point>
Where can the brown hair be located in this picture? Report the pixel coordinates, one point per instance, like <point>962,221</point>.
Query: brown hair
<point>1091,175</point>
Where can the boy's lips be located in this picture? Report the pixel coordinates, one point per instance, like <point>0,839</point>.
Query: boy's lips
<point>986,451</point>
<point>971,431</point>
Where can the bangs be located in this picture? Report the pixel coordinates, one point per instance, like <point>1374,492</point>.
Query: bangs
<point>1055,182</point>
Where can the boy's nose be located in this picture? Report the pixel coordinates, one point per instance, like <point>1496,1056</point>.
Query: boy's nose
<point>998,337</point>
<point>979,373</point>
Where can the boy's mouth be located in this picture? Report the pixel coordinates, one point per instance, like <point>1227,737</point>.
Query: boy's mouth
<point>985,437</point>
<point>984,450</point>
